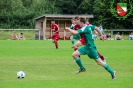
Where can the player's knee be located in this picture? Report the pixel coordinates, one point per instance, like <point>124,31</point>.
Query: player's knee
<point>74,55</point>
<point>75,46</point>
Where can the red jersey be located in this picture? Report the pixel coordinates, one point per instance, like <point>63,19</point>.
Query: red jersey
<point>55,28</point>
<point>76,27</point>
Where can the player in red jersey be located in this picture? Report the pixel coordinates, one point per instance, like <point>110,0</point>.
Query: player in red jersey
<point>76,27</point>
<point>81,42</point>
<point>55,33</point>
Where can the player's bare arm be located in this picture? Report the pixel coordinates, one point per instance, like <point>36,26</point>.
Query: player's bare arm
<point>72,31</point>
<point>98,30</point>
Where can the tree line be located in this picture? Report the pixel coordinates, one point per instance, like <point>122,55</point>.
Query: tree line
<point>21,13</point>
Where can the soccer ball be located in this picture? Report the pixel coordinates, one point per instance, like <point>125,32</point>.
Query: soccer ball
<point>20,74</point>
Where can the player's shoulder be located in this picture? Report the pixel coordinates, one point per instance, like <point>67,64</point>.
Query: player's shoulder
<point>56,24</point>
<point>88,28</point>
<point>91,25</point>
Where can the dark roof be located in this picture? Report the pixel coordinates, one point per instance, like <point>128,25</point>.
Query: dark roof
<point>63,16</point>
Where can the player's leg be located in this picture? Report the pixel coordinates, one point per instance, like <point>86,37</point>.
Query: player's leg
<point>76,45</point>
<point>93,54</point>
<point>56,41</point>
<point>112,72</point>
<point>72,40</point>
<point>101,56</point>
<point>76,55</point>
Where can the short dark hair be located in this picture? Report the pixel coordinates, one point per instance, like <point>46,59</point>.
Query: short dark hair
<point>82,19</point>
<point>52,19</point>
<point>77,18</point>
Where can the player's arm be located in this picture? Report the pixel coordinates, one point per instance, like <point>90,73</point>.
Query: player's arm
<point>72,31</point>
<point>98,30</point>
<point>95,29</point>
<point>51,31</point>
<point>57,28</point>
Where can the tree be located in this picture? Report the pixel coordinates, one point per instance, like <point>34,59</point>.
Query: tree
<point>85,7</point>
<point>66,6</point>
<point>104,16</point>
<point>21,13</point>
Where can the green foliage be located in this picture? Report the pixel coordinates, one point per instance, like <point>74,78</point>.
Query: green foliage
<point>67,6</point>
<point>21,13</point>
<point>47,67</point>
<point>103,15</point>
<point>85,7</point>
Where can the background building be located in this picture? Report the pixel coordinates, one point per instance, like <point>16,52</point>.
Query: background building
<point>43,24</point>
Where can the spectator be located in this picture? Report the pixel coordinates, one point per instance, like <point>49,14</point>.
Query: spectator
<point>118,36</point>
<point>14,36</point>
<point>21,36</point>
<point>131,36</point>
<point>108,36</point>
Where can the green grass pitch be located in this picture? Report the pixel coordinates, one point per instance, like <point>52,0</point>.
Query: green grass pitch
<point>46,67</point>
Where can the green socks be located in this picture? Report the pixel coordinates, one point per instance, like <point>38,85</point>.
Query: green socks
<point>78,61</point>
<point>108,69</point>
<point>72,41</point>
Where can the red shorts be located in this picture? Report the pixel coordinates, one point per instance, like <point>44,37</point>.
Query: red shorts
<point>82,41</point>
<point>55,37</point>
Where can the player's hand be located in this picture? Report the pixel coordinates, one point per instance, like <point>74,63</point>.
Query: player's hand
<point>67,28</point>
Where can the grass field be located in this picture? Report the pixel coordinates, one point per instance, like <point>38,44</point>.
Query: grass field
<point>46,67</point>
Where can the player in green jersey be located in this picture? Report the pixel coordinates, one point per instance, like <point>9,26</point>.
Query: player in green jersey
<point>81,41</point>
<point>89,48</point>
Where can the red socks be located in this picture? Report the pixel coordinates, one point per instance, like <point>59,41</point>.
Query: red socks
<point>75,49</point>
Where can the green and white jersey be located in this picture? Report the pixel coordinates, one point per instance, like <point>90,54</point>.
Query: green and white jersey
<point>93,28</point>
<point>72,26</point>
<point>88,35</point>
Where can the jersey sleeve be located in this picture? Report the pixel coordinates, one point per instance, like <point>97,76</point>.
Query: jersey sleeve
<point>79,31</point>
<point>83,30</point>
<point>92,27</point>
